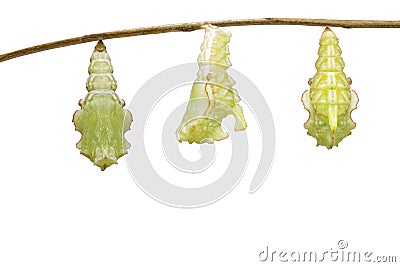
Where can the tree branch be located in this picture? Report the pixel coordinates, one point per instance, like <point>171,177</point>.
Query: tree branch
<point>187,27</point>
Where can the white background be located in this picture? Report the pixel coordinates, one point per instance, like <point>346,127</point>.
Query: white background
<point>57,209</point>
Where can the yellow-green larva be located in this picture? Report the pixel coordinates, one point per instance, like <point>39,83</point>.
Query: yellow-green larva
<point>212,97</point>
<point>329,100</point>
<point>102,120</point>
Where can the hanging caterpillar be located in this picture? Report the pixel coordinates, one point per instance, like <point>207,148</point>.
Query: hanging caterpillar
<point>102,120</point>
<point>212,97</point>
<point>329,100</point>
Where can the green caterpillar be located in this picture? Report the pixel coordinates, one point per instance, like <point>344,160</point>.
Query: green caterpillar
<point>102,120</point>
<point>212,97</point>
<point>329,100</point>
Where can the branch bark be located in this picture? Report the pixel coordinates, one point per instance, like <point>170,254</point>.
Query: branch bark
<point>187,27</point>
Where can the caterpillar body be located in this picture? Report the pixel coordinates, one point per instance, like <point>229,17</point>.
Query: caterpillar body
<point>212,97</point>
<point>102,120</point>
<point>329,100</point>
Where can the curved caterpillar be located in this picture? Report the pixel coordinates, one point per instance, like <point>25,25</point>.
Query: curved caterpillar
<point>329,100</point>
<point>212,97</point>
<point>102,120</point>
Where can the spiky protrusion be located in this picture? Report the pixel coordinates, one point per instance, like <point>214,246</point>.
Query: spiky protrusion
<point>212,97</point>
<point>102,120</point>
<point>329,100</point>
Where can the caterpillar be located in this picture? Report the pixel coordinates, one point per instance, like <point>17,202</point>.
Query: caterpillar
<point>329,100</point>
<point>212,97</point>
<point>102,121</point>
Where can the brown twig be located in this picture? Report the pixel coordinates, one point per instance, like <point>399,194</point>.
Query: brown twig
<point>186,27</point>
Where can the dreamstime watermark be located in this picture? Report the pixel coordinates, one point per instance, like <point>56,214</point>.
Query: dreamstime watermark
<point>148,178</point>
<point>341,253</point>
